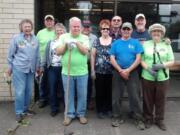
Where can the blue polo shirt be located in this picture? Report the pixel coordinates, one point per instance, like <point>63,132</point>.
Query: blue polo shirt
<point>125,51</point>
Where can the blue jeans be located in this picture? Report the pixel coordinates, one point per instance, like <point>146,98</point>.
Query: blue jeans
<point>23,85</point>
<point>81,83</point>
<point>55,86</point>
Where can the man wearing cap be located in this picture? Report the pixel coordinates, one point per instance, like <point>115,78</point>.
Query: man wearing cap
<point>140,32</point>
<point>125,57</point>
<point>115,32</point>
<point>44,36</point>
<point>87,30</point>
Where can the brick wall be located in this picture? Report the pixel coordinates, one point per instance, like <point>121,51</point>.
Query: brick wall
<point>11,13</point>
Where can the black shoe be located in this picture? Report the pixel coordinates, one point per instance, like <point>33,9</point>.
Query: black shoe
<point>148,123</point>
<point>101,115</point>
<point>42,104</point>
<point>53,114</point>
<point>19,118</point>
<point>131,114</point>
<point>29,113</point>
<point>161,125</point>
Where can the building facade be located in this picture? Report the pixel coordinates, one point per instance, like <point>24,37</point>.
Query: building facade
<point>12,12</point>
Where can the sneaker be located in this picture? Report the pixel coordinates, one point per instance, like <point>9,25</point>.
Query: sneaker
<point>67,121</point>
<point>161,125</point>
<point>42,104</point>
<point>29,113</point>
<point>140,124</point>
<point>83,120</point>
<point>53,114</point>
<point>116,122</point>
<point>100,115</point>
<point>19,118</point>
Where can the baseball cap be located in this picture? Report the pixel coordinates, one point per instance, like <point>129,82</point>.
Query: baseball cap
<point>86,23</point>
<point>127,25</point>
<point>140,15</point>
<point>49,17</point>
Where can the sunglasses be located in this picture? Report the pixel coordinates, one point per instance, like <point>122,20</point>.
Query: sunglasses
<point>116,20</point>
<point>105,28</point>
<point>126,28</point>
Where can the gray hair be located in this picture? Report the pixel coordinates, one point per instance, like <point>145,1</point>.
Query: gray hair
<point>25,21</point>
<point>74,19</point>
<point>60,25</point>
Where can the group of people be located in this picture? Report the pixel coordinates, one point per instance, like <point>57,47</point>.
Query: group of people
<point>120,58</point>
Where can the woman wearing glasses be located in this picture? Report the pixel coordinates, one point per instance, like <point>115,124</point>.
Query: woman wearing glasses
<point>101,70</point>
<point>156,60</point>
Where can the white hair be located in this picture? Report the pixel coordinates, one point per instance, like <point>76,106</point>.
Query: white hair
<point>74,19</point>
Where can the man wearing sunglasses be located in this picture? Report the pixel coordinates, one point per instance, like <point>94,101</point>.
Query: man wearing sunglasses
<point>125,57</point>
<point>116,23</point>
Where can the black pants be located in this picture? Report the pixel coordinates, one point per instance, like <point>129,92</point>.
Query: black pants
<point>103,84</point>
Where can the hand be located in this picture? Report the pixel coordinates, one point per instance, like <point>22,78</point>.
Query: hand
<point>93,75</point>
<point>71,44</point>
<point>167,41</point>
<point>124,74</point>
<point>152,72</point>
<point>9,72</point>
<point>156,67</point>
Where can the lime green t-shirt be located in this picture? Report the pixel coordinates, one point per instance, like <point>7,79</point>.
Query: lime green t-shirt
<point>43,37</point>
<point>78,64</point>
<point>166,54</point>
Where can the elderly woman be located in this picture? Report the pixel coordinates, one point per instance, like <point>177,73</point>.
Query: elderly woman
<point>52,63</point>
<point>23,62</point>
<point>156,60</point>
<point>101,70</point>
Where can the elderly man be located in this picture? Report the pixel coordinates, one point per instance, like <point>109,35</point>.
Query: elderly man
<point>44,36</point>
<point>140,32</point>
<point>116,23</point>
<point>125,57</point>
<point>87,30</point>
<point>74,48</point>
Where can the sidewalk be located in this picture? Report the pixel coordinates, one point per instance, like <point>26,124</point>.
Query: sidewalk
<point>43,124</point>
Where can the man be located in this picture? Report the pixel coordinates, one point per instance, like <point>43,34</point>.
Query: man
<point>44,36</point>
<point>87,30</point>
<point>140,32</point>
<point>116,23</point>
<point>74,48</point>
<point>125,57</point>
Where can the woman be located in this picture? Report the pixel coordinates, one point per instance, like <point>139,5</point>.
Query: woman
<point>156,60</point>
<point>23,62</point>
<point>101,70</point>
<point>52,63</point>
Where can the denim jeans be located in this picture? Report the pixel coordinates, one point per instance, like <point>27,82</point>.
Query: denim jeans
<point>23,85</point>
<point>55,86</point>
<point>81,83</point>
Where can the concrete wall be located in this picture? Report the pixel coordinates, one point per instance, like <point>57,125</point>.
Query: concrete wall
<point>11,13</point>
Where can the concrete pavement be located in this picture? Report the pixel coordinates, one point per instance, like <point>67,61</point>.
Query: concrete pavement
<point>43,124</point>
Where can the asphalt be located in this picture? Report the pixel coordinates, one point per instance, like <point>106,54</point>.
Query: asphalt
<point>43,124</point>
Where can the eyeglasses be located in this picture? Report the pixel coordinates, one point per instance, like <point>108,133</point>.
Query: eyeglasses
<point>116,20</point>
<point>126,28</point>
<point>105,29</point>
